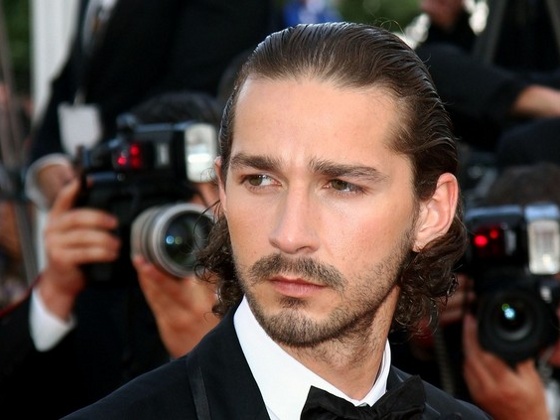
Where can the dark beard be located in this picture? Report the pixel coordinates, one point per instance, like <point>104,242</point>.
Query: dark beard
<point>292,328</point>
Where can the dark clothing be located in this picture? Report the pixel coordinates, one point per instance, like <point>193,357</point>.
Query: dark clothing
<point>525,41</point>
<point>438,358</point>
<point>214,381</point>
<point>478,97</point>
<point>151,47</point>
<point>116,339</point>
<point>533,142</point>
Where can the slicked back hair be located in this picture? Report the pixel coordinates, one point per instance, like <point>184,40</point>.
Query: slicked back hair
<point>357,56</point>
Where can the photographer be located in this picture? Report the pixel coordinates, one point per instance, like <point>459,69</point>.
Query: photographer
<point>450,353</point>
<point>72,339</point>
<point>529,388</point>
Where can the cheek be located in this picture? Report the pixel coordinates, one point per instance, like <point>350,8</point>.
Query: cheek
<point>368,237</point>
<point>246,228</point>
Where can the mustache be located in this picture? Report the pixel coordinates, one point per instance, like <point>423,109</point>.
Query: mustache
<point>306,268</point>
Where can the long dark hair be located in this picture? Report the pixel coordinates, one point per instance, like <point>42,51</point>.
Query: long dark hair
<point>356,55</point>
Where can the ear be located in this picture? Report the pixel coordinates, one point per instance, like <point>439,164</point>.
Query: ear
<point>437,213</point>
<point>221,184</point>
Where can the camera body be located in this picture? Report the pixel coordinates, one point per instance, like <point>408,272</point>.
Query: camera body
<point>144,167</point>
<point>513,256</point>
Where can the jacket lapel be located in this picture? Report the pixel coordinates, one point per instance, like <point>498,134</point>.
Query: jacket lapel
<point>221,365</point>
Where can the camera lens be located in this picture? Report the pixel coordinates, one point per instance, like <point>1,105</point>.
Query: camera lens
<point>515,324</point>
<point>169,236</point>
<point>513,319</point>
<point>185,232</point>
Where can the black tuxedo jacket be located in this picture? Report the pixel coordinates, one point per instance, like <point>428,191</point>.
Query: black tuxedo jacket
<point>214,381</point>
<point>151,47</point>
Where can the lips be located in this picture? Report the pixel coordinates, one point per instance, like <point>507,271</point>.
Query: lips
<point>295,287</point>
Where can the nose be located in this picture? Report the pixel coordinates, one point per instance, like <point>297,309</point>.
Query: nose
<point>295,224</point>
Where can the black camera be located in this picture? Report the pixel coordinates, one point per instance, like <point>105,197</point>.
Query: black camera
<point>513,256</point>
<point>145,176</point>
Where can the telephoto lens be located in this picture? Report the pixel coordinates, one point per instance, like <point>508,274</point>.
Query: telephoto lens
<point>169,236</point>
<point>517,323</point>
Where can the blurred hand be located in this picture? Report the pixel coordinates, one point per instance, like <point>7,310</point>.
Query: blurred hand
<point>182,307</point>
<point>502,391</point>
<point>443,13</point>
<point>72,237</point>
<point>52,178</point>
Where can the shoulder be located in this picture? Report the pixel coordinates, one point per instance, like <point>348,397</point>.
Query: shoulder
<point>166,391</point>
<point>440,404</point>
<point>161,393</point>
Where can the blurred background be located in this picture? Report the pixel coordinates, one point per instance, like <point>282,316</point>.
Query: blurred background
<point>25,20</point>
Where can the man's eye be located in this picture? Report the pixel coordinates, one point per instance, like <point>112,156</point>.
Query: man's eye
<point>258,180</point>
<point>339,185</point>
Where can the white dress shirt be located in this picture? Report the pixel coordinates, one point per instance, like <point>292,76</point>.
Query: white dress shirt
<point>283,381</point>
<point>46,329</point>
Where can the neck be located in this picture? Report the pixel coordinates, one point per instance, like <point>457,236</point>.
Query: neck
<point>352,362</point>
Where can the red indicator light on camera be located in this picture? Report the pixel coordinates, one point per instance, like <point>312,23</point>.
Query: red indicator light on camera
<point>480,241</point>
<point>135,156</point>
<point>489,242</point>
<point>130,158</point>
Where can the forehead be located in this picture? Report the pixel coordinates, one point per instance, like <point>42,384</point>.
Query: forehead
<point>316,119</point>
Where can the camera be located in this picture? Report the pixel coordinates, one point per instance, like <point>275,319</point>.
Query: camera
<point>144,176</point>
<point>513,256</point>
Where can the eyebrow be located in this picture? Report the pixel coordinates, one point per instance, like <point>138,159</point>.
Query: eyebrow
<point>337,170</point>
<point>263,163</point>
<point>324,167</point>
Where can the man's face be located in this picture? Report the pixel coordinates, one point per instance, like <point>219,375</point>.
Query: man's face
<point>320,210</point>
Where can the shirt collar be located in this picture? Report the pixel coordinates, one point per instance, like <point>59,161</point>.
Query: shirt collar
<point>283,381</point>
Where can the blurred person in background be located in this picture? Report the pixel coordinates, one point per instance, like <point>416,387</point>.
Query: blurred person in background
<point>73,339</point>
<point>528,388</point>
<point>488,99</point>
<point>124,52</point>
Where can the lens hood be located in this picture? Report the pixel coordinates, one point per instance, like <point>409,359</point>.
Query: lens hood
<point>170,235</point>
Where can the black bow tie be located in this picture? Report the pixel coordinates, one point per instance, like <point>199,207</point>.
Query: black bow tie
<point>405,401</point>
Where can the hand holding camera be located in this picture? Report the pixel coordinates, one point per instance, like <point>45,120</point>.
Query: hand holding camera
<point>73,237</point>
<point>145,178</point>
<point>505,393</point>
<point>182,307</point>
<point>513,257</point>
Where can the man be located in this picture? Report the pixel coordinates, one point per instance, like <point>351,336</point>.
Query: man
<point>338,217</point>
